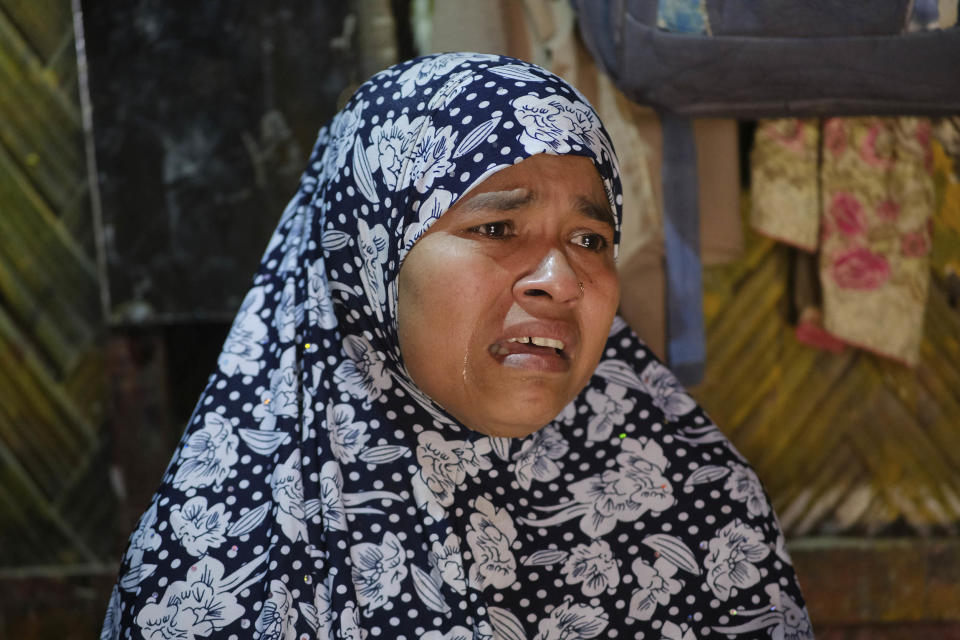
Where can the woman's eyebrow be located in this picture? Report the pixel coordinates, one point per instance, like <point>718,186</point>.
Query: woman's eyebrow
<point>516,198</point>
<point>596,211</point>
<point>499,200</point>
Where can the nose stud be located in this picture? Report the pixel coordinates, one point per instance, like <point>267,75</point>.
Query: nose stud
<point>580,284</point>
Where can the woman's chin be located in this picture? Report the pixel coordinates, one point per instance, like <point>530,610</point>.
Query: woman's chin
<point>508,430</point>
<point>516,424</point>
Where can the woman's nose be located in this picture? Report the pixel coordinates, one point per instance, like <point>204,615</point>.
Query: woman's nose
<point>552,278</point>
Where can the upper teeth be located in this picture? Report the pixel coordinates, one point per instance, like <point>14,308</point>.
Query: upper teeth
<point>540,342</point>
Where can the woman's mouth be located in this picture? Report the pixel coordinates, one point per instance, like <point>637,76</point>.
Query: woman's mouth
<point>506,348</point>
<point>536,353</point>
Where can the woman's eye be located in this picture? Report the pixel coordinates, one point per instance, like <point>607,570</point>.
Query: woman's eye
<point>493,229</point>
<point>591,241</point>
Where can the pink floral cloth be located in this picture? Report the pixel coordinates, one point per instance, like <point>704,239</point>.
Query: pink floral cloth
<point>864,188</point>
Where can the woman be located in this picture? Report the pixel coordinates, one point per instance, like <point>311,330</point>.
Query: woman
<point>426,421</point>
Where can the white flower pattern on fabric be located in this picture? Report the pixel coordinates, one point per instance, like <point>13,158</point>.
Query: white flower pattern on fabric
<point>672,631</point>
<point>333,512</point>
<point>390,146</point>
<point>594,566</point>
<point>289,313</point>
<point>537,458</point>
<point>378,570</point>
<point>657,585</point>
<point>242,349</point>
<point>744,486</point>
<point>144,538</point>
<point>373,249</point>
<point>782,617</point>
<point>554,124</point>
<point>281,400</point>
<point>340,135</point>
<point>208,455</point>
<point>572,621</point>
<point>362,374</point>
<point>290,246</point>
<point>422,73</point>
<point>431,156</point>
<point>452,88</point>
<point>197,606</point>
<point>610,409</point>
<point>431,209</point>
<point>319,303</point>
<point>347,436</point>
<point>456,633</point>
<point>443,466</point>
<point>448,561</point>
<point>666,392</point>
<point>319,613</point>
<point>287,485</point>
<point>491,535</point>
<point>731,562</point>
<point>621,495</point>
<point>350,623</point>
<point>796,622</point>
<point>197,527</point>
<point>278,617</point>
<point>111,621</point>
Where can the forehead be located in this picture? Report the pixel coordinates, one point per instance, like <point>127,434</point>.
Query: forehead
<point>546,175</point>
<point>544,167</point>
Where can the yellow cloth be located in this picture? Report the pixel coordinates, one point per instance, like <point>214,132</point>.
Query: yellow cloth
<point>784,193</point>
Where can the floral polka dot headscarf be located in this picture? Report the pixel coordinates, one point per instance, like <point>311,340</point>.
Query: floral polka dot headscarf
<point>317,493</point>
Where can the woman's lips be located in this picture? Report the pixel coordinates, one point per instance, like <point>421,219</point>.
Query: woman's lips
<point>531,353</point>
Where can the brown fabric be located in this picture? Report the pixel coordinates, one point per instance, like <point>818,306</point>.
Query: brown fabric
<point>643,293</point>
<point>718,159</point>
<point>467,26</point>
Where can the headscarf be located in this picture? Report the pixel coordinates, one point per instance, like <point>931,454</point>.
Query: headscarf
<point>318,493</point>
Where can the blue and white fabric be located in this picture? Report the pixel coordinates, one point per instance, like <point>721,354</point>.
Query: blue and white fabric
<point>317,493</point>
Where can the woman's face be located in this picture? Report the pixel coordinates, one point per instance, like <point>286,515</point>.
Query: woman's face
<point>493,322</point>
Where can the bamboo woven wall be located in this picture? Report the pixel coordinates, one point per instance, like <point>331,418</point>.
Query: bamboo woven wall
<point>849,444</point>
<point>56,506</point>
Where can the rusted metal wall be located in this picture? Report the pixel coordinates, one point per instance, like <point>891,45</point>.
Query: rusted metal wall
<point>204,115</point>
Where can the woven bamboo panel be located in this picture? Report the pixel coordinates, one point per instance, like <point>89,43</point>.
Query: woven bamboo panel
<point>848,443</point>
<point>55,502</point>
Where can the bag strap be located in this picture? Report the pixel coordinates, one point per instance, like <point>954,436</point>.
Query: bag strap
<point>686,344</point>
